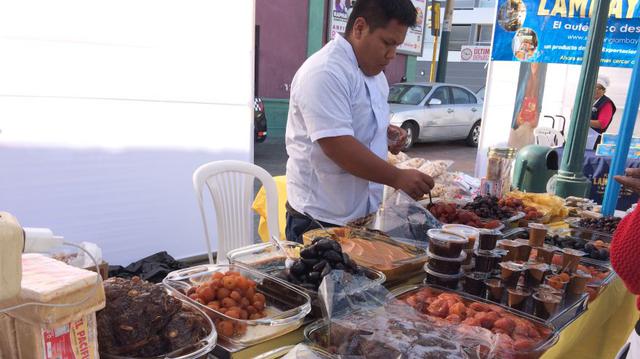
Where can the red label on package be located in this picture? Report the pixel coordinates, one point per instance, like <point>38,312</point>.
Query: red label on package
<point>76,340</point>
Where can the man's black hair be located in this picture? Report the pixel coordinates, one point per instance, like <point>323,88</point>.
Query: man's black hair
<point>378,13</point>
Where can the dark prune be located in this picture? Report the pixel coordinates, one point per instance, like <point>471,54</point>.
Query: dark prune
<point>297,268</point>
<point>309,252</point>
<point>319,266</point>
<point>603,254</point>
<point>315,277</point>
<point>589,247</point>
<point>318,239</point>
<point>333,256</point>
<point>339,266</point>
<point>324,244</point>
<point>310,262</point>
<point>336,246</point>
<point>345,258</point>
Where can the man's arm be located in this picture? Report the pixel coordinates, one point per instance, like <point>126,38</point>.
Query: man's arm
<point>355,158</point>
<point>605,115</point>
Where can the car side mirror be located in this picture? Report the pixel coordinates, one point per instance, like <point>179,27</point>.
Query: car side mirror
<point>435,101</point>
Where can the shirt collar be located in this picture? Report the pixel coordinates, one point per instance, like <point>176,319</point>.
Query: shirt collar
<point>346,46</point>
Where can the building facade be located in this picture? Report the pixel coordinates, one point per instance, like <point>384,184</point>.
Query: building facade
<point>287,32</point>
<point>472,26</point>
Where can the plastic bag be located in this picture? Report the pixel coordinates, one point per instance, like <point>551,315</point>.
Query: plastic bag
<point>435,169</point>
<point>402,218</point>
<point>302,351</point>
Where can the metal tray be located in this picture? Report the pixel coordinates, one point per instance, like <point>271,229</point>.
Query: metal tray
<point>588,234</point>
<point>317,331</point>
<point>268,259</point>
<point>538,350</point>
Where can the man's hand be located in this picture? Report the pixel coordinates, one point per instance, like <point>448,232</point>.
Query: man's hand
<point>630,180</point>
<point>397,138</point>
<point>414,183</point>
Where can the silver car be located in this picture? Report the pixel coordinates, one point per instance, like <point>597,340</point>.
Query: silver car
<point>435,112</point>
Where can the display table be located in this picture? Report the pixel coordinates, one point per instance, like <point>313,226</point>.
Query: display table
<point>596,169</point>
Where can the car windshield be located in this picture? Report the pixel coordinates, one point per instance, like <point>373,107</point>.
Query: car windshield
<point>407,94</point>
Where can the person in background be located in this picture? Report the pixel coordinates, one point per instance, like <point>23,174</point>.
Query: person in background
<point>338,131</point>
<point>625,257</point>
<point>603,109</point>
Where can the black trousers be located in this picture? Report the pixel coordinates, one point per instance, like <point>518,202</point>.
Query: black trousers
<point>298,224</point>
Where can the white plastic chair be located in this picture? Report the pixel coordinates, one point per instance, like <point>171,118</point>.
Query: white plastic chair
<point>546,136</point>
<point>231,186</point>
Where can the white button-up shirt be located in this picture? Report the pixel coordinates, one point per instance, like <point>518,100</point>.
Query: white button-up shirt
<point>331,97</point>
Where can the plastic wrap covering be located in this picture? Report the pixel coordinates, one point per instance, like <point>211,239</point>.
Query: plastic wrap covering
<point>402,218</point>
<point>374,324</point>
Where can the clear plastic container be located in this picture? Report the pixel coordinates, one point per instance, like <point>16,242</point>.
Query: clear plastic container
<point>267,258</point>
<point>445,265</point>
<point>196,350</point>
<point>446,244</point>
<point>450,281</point>
<point>469,232</point>
<point>300,352</point>
<point>285,307</point>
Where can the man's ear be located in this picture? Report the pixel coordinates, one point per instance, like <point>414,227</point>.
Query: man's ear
<point>360,27</point>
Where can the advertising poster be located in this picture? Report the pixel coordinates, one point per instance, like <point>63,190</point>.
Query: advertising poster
<point>339,11</point>
<point>556,31</point>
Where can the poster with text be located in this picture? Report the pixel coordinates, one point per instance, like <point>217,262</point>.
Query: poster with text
<point>556,31</point>
<point>339,11</point>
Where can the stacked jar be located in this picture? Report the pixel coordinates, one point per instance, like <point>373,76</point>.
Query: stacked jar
<point>445,257</point>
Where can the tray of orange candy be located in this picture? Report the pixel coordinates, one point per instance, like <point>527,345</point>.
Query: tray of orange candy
<point>520,335</point>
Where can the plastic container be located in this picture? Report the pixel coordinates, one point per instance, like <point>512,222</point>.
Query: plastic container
<point>307,350</point>
<point>571,258</point>
<point>445,280</point>
<point>445,265</point>
<point>535,273</point>
<point>537,234</point>
<point>268,259</point>
<point>510,273</point>
<point>486,261</point>
<point>445,244</point>
<point>517,298</point>
<point>495,289</point>
<point>488,239</point>
<point>285,307</point>
<point>474,283</point>
<point>512,247</point>
<point>468,232</point>
<point>196,350</point>
<point>545,304</point>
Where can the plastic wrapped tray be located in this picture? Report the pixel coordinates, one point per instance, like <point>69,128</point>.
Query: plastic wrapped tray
<point>268,259</point>
<point>397,271</point>
<point>196,350</point>
<point>534,352</point>
<point>587,234</point>
<point>286,306</point>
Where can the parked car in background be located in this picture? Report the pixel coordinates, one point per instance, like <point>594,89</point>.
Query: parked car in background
<point>480,94</point>
<point>435,112</point>
<point>259,121</point>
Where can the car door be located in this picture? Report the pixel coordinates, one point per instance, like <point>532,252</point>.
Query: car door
<point>438,113</point>
<point>466,111</point>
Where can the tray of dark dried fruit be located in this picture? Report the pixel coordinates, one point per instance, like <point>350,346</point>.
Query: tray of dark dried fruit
<point>129,327</point>
<point>308,270</point>
<point>247,306</point>
<point>520,335</point>
<point>595,228</point>
<point>490,208</point>
<point>398,261</point>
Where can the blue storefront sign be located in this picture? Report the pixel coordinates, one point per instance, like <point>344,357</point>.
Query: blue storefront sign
<point>555,31</point>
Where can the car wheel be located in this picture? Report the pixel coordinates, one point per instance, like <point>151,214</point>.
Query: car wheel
<point>412,134</point>
<point>474,135</point>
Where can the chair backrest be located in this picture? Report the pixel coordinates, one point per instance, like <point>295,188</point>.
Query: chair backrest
<point>230,184</point>
<point>548,137</point>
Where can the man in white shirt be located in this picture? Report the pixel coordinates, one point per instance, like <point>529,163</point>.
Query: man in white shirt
<point>338,123</point>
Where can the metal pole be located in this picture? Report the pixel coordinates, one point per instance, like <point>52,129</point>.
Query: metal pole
<point>570,178</point>
<point>432,73</point>
<point>624,139</point>
<point>444,41</point>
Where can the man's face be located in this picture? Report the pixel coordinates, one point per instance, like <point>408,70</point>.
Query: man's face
<point>599,91</point>
<point>374,50</point>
